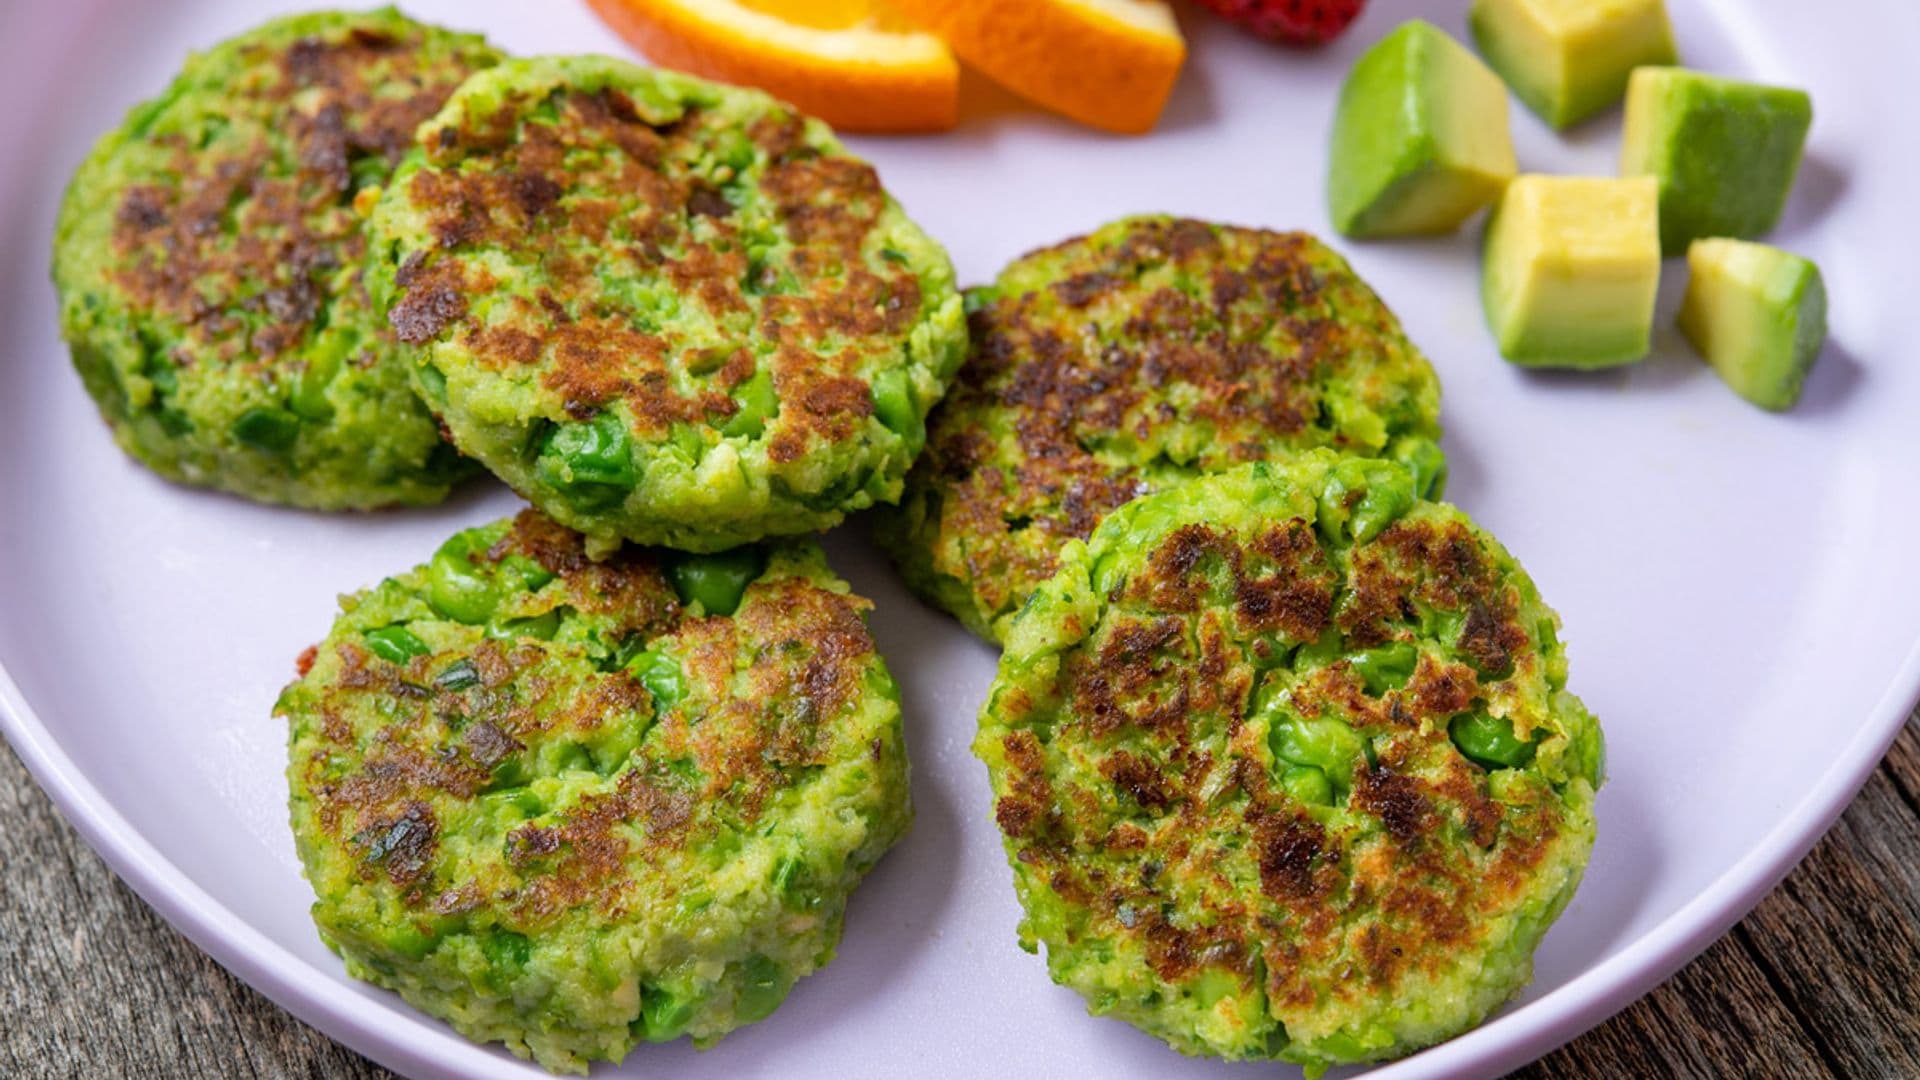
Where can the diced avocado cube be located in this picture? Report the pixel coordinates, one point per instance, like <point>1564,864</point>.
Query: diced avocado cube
<point>1569,59</point>
<point>1571,266</point>
<point>1758,315</point>
<point>1725,152</point>
<point>1420,140</point>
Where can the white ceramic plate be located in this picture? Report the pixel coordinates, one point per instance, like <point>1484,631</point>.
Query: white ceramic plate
<point>1740,590</point>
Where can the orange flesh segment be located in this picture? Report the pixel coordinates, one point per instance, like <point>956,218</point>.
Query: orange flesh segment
<point>843,61</point>
<point>1107,63</point>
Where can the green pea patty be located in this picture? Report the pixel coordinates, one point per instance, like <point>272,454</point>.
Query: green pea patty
<point>208,259</point>
<point>1111,365</point>
<point>662,309</point>
<point>574,805</point>
<point>1287,767</point>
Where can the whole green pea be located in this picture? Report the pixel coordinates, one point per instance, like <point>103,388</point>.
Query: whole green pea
<point>590,461</point>
<point>1489,741</point>
<point>665,1012</point>
<point>1328,745</point>
<point>459,585</point>
<point>531,574</point>
<point>1387,667</point>
<point>1363,496</point>
<point>716,582</point>
<point>662,676</point>
<point>763,987</point>
<point>1308,784</point>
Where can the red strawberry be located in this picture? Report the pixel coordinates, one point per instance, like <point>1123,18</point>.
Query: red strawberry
<point>1296,22</point>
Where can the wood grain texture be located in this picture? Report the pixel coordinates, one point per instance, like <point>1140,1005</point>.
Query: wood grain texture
<point>1903,768</point>
<point>1821,980</point>
<point>1719,1010</point>
<point>94,984</point>
<point>1849,921</point>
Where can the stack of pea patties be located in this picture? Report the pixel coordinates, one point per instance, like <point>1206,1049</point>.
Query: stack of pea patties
<point>1280,747</point>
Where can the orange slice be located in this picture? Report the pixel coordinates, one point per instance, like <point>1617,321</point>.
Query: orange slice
<point>1108,63</point>
<point>845,61</point>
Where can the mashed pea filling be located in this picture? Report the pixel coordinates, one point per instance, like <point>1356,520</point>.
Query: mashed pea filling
<point>1287,767</point>
<point>663,310</point>
<point>208,258</point>
<point>1152,351</point>
<point>572,805</point>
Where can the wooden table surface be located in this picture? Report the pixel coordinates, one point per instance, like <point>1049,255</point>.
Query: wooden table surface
<point>1822,979</point>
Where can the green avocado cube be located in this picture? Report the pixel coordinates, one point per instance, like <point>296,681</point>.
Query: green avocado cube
<point>1758,315</point>
<point>1569,59</point>
<point>1725,152</point>
<point>1570,269</point>
<point>1420,140</point>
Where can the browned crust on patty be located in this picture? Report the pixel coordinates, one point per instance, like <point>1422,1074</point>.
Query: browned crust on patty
<point>603,193</point>
<point>1188,847</point>
<point>766,685</point>
<point>248,249</point>
<point>1154,350</point>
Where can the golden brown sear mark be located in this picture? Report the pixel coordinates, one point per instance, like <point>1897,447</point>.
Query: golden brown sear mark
<point>1414,563</point>
<point>1152,350</point>
<point>602,199</point>
<point>773,678</point>
<point>255,239</point>
<point>1411,899</point>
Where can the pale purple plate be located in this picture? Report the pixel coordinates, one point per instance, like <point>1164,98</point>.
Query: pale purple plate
<point>1741,591</point>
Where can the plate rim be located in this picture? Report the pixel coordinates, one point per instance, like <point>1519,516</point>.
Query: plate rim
<point>1505,1041</point>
